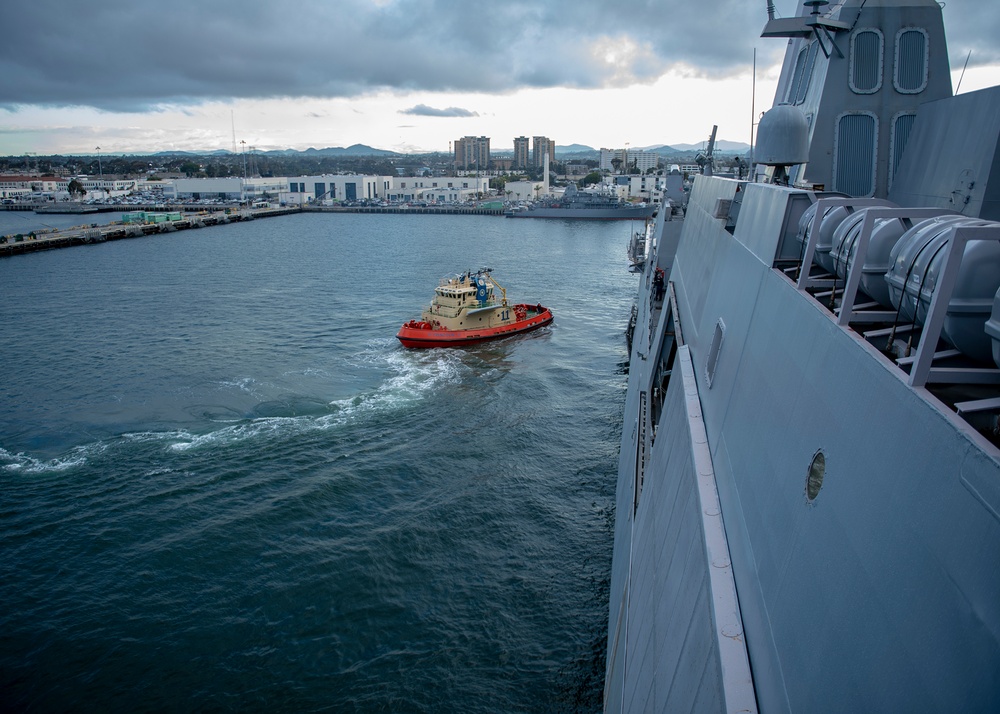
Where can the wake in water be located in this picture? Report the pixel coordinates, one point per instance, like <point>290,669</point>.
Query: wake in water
<point>24,463</point>
<point>402,380</point>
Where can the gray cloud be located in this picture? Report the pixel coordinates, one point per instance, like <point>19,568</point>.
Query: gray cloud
<point>422,110</point>
<point>123,55</point>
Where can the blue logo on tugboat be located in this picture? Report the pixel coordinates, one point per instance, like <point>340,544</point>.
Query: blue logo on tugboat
<point>481,289</point>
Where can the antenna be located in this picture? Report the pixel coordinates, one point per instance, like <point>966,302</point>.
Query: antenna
<point>753,97</point>
<point>232,118</point>
<point>962,76</point>
<point>770,9</point>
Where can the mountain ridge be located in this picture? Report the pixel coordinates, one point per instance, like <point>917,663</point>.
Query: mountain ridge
<point>568,151</point>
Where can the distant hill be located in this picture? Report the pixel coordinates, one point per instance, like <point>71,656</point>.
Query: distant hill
<point>720,145</point>
<point>661,149</point>
<point>353,150</point>
<point>563,151</point>
<point>580,150</point>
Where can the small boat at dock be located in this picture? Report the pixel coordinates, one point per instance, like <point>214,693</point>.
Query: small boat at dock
<point>465,310</point>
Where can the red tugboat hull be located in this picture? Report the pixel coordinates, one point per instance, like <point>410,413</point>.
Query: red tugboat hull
<point>423,334</point>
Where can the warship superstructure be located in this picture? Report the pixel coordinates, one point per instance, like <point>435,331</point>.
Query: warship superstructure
<point>808,498</point>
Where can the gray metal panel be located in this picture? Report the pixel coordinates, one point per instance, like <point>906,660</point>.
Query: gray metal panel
<point>670,631</point>
<point>959,138</point>
<point>764,207</point>
<point>699,220</point>
<point>820,583</point>
<point>844,556</point>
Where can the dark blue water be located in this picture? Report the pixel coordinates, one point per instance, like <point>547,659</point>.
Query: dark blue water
<point>224,485</point>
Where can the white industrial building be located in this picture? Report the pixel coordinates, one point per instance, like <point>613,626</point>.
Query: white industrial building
<point>523,190</point>
<point>325,189</point>
<point>334,188</point>
<point>438,189</point>
<point>643,160</point>
<point>648,188</point>
<point>194,189</point>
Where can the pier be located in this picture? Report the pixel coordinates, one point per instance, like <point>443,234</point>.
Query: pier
<point>423,210</point>
<point>92,233</point>
<point>84,234</point>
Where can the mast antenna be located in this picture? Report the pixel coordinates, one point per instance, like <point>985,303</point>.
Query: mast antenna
<point>962,76</point>
<point>753,100</point>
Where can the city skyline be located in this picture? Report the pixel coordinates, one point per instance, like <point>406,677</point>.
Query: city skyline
<point>402,75</point>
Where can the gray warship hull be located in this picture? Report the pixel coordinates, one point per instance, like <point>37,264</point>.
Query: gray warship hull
<point>808,497</point>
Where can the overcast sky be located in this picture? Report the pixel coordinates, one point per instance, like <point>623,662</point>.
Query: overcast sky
<point>406,75</point>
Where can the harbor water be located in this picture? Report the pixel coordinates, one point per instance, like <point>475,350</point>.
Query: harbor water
<point>224,485</point>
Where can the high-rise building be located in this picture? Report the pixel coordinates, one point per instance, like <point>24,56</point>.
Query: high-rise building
<point>472,152</point>
<point>541,146</point>
<point>521,145</point>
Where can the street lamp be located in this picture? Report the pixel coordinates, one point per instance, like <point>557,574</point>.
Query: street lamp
<point>99,167</point>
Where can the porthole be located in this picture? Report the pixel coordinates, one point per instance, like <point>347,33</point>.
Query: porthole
<point>814,477</point>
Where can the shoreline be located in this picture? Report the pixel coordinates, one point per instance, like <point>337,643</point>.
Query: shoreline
<point>11,245</point>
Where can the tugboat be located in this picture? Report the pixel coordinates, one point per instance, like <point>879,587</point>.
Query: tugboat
<point>465,310</point>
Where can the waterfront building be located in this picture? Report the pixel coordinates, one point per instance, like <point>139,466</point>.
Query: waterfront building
<point>55,187</point>
<point>195,189</point>
<point>437,189</point>
<point>326,189</point>
<point>521,156</point>
<point>472,152</point>
<point>542,145</point>
<point>264,188</point>
<point>641,160</point>
<point>18,186</point>
<point>334,188</point>
<point>635,187</point>
<point>523,190</point>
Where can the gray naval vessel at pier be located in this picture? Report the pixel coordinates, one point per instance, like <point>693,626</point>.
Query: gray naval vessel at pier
<point>808,499</point>
<point>592,205</point>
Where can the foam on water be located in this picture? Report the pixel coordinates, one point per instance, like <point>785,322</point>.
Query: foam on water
<point>27,464</point>
<point>409,376</point>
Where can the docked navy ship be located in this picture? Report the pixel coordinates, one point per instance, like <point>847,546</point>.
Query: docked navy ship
<point>808,498</point>
<point>586,205</point>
